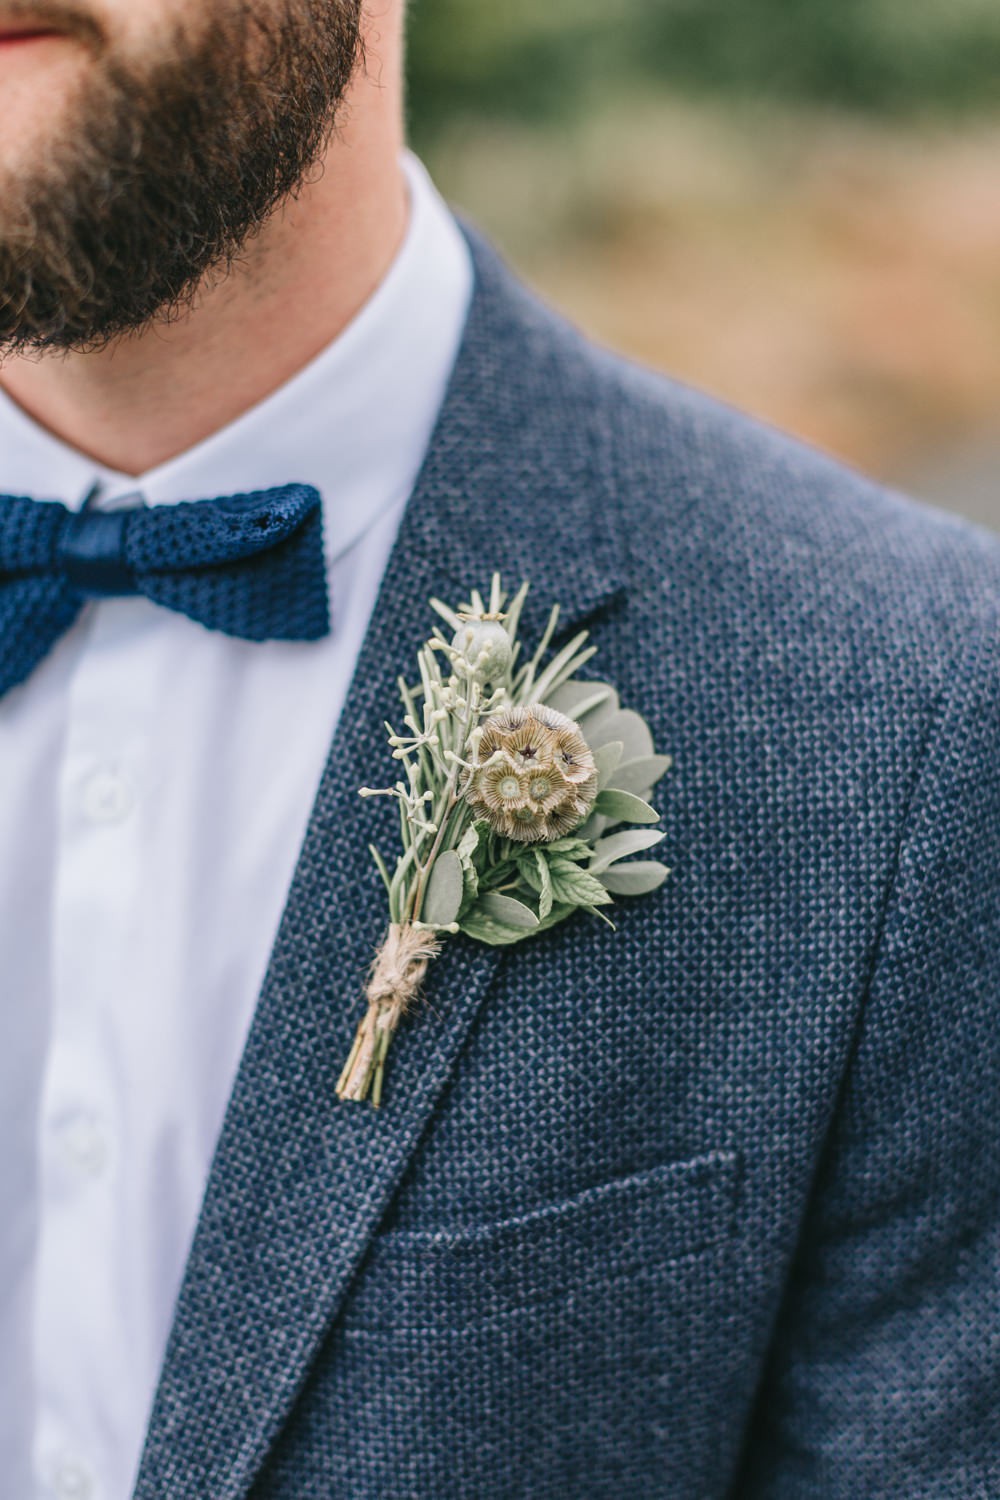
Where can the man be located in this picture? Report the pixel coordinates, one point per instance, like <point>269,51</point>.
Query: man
<point>706,1205</point>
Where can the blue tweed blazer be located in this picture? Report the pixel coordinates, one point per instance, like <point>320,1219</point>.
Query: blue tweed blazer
<point>704,1207</point>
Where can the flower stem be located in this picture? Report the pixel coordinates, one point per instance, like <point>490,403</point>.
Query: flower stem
<point>396,976</point>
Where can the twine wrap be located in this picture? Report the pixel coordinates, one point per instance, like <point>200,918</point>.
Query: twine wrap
<point>397,973</point>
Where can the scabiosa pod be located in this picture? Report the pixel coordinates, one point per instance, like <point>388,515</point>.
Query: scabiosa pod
<point>512,774</point>
<point>534,777</point>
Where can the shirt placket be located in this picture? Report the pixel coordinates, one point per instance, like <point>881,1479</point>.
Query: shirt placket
<point>80,1322</point>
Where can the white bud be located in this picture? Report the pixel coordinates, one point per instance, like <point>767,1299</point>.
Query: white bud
<point>484,648</point>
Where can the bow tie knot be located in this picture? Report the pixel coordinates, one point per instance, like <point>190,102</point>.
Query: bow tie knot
<point>250,565</point>
<point>90,553</point>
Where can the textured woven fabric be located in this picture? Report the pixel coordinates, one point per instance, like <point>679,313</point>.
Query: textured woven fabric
<point>703,1207</point>
<point>249,565</point>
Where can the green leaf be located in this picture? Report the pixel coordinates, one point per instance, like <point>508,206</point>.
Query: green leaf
<point>573,885</point>
<point>635,879</point>
<point>627,726</point>
<point>466,851</point>
<point>545,896</point>
<point>606,759</point>
<point>506,910</point>
<point>445,887</point>
<point>618,845</point>
<point>475,924</point>
<point>498,874</point>
<point>560,911</point>
<point>639,776</point>
<point>572,847</point>
<point>533,868</point>
<point>481,851</point>
<point>592,829</point>
<point>527,868</point>
<point>622,807</point>
<point>576,698</point>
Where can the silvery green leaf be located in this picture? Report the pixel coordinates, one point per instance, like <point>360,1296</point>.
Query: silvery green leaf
<point>627,726</point>
<point>618,845</point>
<point>635,879</point>
<point>639,776</point>
<point>445,887</point>
<point>484,930</point>
<point>573,885</point>
<point>606,759</point>
<point>592,828</point>
<point>506,910</point>
<point>592,721</point>
<point>578,697</point>
<point>623,807</point>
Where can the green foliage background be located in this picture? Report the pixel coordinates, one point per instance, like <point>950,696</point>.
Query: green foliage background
<point>547,59</point>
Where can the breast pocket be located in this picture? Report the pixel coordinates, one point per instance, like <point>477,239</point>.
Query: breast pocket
<point>571,1350</point>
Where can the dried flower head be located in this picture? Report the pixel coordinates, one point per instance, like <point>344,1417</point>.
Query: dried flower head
<point>534,777</point>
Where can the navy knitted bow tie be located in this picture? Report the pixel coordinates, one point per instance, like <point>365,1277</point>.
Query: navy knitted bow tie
<point>250,565</point>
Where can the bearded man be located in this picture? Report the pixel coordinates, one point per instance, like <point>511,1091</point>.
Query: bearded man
<point>705,1205</point>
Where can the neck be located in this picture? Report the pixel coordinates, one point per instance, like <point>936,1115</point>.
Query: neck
<point>156,393</point>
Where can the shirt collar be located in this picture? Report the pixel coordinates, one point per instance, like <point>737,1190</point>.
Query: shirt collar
<point>355,422</point>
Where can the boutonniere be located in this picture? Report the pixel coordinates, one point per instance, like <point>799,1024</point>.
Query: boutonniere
<point>513,771</point>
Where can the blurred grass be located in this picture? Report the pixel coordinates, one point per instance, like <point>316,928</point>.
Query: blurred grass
<point>530,61</point>
<point>790,205</point>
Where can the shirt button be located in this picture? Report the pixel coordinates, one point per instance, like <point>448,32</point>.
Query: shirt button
<point>86,1145</point>
<point>107,797</point>
<point>72,1481</point>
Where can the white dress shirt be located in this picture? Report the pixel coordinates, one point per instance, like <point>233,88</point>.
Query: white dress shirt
<point>155,784</point>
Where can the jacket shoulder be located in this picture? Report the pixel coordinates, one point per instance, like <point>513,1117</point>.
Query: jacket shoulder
<point>727,500</point>
<point>733,514</point>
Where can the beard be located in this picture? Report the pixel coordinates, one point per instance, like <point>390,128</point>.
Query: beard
<point>163,171</point>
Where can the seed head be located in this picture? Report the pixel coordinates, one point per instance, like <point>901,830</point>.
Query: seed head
<point>534,779</point>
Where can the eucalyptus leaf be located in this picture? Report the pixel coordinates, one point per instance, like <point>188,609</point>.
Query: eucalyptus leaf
<point>623,807</point>
<point>635,879</point>
<point>641,775</point>
<point>445,888</point>
<point>617,845</point>
<point>627,726</point>
<point>506,910</point>
<point>606,759</point>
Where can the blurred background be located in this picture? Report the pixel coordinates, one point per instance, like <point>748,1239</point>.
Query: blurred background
<point>791,203</point>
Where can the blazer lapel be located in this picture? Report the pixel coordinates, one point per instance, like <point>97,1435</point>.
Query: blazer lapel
<point>301,1180</point>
